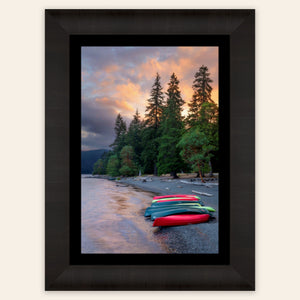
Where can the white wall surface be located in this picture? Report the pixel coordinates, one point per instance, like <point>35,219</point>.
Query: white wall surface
<point>22,149</point>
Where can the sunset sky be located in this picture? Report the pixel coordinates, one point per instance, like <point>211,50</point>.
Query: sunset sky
<point>119,80</point>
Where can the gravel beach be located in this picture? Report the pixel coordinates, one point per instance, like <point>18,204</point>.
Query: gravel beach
<point>194,238</point>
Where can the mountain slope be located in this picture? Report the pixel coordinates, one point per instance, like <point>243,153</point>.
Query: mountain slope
<point>88,158</point>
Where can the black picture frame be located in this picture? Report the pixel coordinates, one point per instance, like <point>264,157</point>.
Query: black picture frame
<point>239,272</point>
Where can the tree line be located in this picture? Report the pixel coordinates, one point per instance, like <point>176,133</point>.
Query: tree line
<point>166,141</point>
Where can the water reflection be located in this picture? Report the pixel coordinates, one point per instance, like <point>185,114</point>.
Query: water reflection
<point>113,221</point>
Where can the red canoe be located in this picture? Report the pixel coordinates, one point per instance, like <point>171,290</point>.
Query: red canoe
<point>172,196</point>
<point>176,220</point>
<point>178,199</point>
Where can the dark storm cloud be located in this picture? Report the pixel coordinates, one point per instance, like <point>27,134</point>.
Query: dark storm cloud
<point>90,141</point>
<point>97,120</point>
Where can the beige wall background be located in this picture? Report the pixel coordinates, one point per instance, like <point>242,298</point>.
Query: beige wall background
<point>22,149</point>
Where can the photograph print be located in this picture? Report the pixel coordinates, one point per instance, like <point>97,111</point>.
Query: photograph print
<point>150,157</point>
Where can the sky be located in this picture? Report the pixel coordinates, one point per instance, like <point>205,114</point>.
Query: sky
<point>119,80</point>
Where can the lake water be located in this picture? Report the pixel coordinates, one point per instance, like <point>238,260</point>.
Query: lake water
<point>113,219</point>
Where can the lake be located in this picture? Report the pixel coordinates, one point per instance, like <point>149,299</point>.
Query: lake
<point>112,221</point>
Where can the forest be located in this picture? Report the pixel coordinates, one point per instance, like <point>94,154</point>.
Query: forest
<point>165,141</point>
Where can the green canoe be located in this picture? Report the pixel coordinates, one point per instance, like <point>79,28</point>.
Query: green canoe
<point>177,211</point>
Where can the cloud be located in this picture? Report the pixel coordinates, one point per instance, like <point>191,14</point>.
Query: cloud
<point>91,141</point>
<point>97,118</point>
<point>119,80</point>
<point>111,68</point>
<point>124,106</point>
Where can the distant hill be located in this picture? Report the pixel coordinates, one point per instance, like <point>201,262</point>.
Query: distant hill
<point>88,158</point>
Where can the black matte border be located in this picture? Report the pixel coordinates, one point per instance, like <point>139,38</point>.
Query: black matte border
<point>76,257</point>
<point>239,274</point>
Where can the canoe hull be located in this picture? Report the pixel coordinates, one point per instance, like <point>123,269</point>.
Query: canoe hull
<point>179,211</point>
<point>178,220</point>
<point>175,198</point>
<point>172,196</point>
<point>160,204</point>
<point>153,209</point>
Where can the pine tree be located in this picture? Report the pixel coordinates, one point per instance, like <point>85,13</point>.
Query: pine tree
<point>202,94</point>
<point>155,104</point>
<point>169,159</point>
<point>150,134</point>
<point>209,124</point>
<point>150,151</point>
<point>203,112</point>
<point>134,137</point>
<point>120,132</point>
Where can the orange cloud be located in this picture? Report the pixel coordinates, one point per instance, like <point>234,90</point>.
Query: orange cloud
<point>103,99</point>
<point>129,91</point>
<point>124,105</point>
<point>186,91</point>
<point>215,95</point>
<point>111,68</point>
<point>103,87</point>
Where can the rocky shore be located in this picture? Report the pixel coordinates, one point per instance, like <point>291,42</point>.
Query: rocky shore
<point>197,238</point>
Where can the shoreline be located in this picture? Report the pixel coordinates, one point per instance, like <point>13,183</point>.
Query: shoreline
<point>166,185</point>
<point>208,192</point>
<point>196,238</point>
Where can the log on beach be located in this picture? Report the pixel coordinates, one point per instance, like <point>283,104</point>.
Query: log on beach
<point>203,194</point>
<point>210,184</point>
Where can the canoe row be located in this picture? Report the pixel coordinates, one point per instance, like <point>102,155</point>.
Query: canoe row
<point>179,209</point>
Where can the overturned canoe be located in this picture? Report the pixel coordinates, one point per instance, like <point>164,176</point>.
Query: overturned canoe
<point>174,196</point>
<point>177,220</point>
<point>172,202</point>
<point>179,211</point>
<point>150,210</point>
<point>175,199</point>
<point>154,209</point>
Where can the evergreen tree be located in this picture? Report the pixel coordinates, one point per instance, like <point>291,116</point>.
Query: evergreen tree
<point>209,125</point>
<point>203,112</point>
<point>120,132</point>
<point>128,166</point>
<point>134,137</point>
<point>155,104</point>
<point>202,94</point>
<point>169,159</point>
<point>150,151</point>
<point>150,135</point>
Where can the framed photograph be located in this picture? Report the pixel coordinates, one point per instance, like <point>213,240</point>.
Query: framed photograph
<point>150,150</point>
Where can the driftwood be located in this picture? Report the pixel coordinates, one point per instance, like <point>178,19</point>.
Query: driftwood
<point>207,184</point>
<point>143,179</point>
<point>203,194</point>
